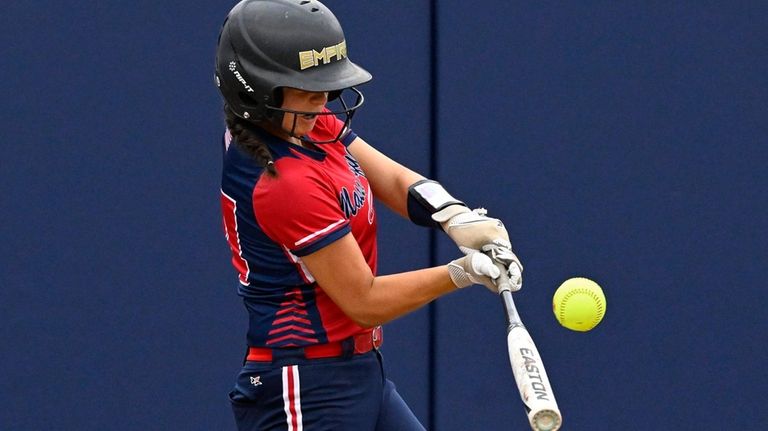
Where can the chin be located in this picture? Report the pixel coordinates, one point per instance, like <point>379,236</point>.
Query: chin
<point>304,130</point>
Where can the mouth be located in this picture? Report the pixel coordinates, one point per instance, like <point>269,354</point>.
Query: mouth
<point>309,116</point>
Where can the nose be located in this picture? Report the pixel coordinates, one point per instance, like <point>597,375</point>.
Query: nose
<point>320,98</point>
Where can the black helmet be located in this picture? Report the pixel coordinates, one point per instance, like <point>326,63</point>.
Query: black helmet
<point>265,45</point>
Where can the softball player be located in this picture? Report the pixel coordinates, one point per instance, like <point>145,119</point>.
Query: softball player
<point>297,200</point>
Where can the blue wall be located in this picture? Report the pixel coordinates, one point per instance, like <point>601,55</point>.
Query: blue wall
<point>624,143</point>
<point>620,142</point>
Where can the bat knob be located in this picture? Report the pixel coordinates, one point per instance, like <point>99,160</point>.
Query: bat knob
<point>546,420</point>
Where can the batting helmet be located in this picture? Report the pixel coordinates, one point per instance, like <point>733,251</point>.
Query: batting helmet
<point>265,45</point>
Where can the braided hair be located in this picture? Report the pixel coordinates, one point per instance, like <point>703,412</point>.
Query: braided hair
<point>244,136</point>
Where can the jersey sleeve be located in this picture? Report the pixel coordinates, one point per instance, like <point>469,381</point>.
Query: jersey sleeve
<point>328,127</point>
<point>299,212</point>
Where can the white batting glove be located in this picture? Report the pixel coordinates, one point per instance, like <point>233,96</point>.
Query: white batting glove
<point>474,268</point>
<point>471,229</point>
<point>508,260</point>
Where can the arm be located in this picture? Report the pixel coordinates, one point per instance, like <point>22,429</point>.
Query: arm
<point>389,180</point>
<point>371,301</point>
<point>397,187</point>
<point>400,190</point>
<point>391,183</point>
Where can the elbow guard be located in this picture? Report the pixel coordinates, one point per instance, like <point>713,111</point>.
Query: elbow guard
<point>425,198</point>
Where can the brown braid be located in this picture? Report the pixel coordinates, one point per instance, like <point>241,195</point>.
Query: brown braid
<point>242,133</point>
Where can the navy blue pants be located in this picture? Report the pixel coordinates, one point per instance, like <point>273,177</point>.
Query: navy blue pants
<point>297,394</point>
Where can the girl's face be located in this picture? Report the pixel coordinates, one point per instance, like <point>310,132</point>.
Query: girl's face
<point>300,100</point>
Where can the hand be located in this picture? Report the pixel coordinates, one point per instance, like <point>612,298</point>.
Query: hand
<point>474,268</point>
<point>506,260</point>
<point>472,229</point>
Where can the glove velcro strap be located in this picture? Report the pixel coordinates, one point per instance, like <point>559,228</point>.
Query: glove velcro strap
<point>449,212</point>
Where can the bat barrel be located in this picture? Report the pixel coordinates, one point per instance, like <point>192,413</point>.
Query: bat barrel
<point>527,367</point>
<point>532,381</point>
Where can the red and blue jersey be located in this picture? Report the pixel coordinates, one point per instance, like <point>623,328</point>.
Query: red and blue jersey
<point>317,197</point>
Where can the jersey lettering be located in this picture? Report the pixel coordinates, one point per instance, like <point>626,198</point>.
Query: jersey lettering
<point>351,203</point>
<point>354,165</point>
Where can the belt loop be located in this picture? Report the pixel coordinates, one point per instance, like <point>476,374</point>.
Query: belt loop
<point>348,347</point>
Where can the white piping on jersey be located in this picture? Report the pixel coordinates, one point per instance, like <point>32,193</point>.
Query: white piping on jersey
<point>292,398</point>
<point>227,138</point>
<point>370,205</point>
<point>237,237</point>
<point>303,268</point>
<point>320,232</point>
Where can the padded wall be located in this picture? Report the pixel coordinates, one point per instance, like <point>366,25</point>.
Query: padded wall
<point>625,143</point>
<point>617,141</point>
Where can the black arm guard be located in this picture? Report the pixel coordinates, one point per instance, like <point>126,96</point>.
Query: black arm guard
<point>425,198</point>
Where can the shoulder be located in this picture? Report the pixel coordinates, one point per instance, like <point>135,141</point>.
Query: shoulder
<point>299,205</point>
<point>294,173</point>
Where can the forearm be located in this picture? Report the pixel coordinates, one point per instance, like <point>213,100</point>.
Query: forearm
<point>392,296</point>
<point>388,179</point>
<point>370,300</point>
<point>395,193</point>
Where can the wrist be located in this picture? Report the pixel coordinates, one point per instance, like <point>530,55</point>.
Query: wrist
<point>445,215</point>
<point>458,274</point>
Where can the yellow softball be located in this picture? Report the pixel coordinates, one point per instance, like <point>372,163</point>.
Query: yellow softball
<point>579,304</point>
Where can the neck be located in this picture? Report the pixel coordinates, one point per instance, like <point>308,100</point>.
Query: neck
<point>281,133</point>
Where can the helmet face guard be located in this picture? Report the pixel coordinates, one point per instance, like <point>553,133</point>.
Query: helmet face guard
<point>346,110</point>
<point>265,45</point>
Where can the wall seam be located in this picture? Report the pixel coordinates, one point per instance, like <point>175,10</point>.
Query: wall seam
<point>434,174</point>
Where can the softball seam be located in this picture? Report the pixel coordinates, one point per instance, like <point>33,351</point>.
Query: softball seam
<point>590,293</point>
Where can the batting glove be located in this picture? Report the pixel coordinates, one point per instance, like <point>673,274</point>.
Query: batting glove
<point>474,268</point>
<point>505,258</point>
<point>471,229</point>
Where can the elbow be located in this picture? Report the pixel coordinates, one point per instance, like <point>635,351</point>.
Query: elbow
<point>366,319</point>
<point>362,303</point>
<point>365,308</point>
<point>366,314</point>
